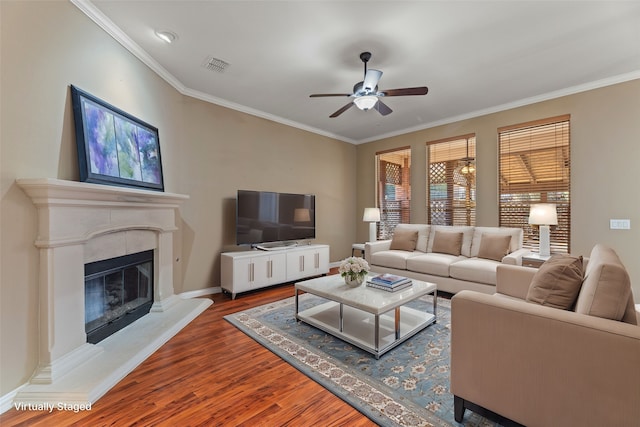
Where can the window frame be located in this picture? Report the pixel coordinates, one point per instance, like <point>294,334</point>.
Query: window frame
<point>392,214</point>
<point>451,159</point>
<point>547,161</point>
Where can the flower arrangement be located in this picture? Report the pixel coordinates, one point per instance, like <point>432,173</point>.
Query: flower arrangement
<point>354,269</point>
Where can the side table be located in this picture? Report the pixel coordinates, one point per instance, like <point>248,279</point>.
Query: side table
<point>357,247</point>
<point>534,259</point>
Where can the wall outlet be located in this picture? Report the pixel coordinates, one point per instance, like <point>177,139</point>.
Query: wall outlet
<point>619,224</point>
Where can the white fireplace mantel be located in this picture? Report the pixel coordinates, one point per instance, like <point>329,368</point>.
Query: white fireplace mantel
<point>80,223</point>
<point>71,212</point>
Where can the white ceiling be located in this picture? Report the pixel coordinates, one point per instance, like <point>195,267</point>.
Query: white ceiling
<point>476,57</point>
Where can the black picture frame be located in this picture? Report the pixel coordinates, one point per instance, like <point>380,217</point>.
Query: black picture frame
<point>114,147</point>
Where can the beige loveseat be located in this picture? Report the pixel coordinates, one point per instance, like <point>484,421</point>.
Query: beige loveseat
<point>453,257</point>
<point>543,366</point>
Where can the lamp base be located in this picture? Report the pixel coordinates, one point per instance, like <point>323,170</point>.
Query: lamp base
<point>373,236</point>
<point>545,240</point>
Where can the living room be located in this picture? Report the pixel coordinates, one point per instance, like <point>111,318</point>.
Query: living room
<point>209,152</point>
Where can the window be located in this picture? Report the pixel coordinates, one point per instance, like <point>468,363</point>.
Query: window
<point>393,189</point>
<point>451,182</point>
<point>535,168</point>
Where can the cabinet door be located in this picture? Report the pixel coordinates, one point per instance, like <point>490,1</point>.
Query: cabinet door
<point>277,269</point>
<point>295,265</point>
<point>260,272</point>
<point>321,261</point>
<point>317,262</point>
<point>243,273</point>
<point>311,263</point>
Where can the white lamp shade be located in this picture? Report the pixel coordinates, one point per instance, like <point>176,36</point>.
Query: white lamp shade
<point>365,102</point>
<point>543,214</point>
<point>371,215</point>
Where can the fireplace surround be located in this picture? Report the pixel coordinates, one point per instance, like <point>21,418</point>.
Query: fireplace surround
<point>78,224</point>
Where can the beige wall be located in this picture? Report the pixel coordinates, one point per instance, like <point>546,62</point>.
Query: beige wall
<point>605,148</point>
<point>208,152</point>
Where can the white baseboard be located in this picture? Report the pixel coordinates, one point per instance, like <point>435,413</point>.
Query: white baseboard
<point>6,401</point>
<point>201,292</point>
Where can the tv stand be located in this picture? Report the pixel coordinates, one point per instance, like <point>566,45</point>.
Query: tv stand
<point>248,270</point>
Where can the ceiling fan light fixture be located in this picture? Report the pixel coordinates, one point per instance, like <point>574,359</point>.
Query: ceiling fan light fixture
<point>366,102</point>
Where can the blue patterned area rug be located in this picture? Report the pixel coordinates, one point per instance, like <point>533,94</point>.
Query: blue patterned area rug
<point>408,386</point>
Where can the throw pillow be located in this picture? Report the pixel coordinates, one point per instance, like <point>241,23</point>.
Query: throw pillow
<point>447,242</point>
<point>557,282</point>
<point>606,290</point>
<point>404,240</point>
<point>494,246</point>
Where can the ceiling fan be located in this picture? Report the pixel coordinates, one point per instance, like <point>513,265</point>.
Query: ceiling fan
<point>366,95</point>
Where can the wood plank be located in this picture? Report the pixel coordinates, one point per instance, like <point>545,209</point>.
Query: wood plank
<point>210,374</point>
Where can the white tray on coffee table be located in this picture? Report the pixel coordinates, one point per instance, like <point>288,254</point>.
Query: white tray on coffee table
<point>371,319</point>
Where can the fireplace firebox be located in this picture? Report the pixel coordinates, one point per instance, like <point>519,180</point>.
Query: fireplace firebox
<point>118,291</point>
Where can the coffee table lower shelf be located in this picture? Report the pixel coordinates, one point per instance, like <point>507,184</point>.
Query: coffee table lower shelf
<point>359,327</point>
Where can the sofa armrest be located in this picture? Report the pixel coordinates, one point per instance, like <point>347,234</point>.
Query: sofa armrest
<point>372,247</point>
<point>541,366</point>
<point>514,280</point>
<point>515,257</point>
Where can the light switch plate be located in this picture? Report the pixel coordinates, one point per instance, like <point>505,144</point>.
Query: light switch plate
<point>619,224</point>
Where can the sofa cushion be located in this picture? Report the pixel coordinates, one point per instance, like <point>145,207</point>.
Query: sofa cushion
<point>447,242</point>
<point>606,290</point>
<point>475,270</point>
<point>391,259</point>
<point>557,282</point>
<point>433,263</point>
<point>423,234</point>
<point>494,246</point>
<point>467,236</point>
<point>404,240</point>
<point>515,233</point>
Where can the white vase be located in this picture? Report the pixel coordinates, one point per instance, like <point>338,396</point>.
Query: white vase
<point>354,281</point>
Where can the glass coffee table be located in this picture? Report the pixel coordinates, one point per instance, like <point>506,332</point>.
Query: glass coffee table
<point>371,319</point>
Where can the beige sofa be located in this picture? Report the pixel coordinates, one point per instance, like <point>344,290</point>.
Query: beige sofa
<point>544,366</point>
<point>453,257</point>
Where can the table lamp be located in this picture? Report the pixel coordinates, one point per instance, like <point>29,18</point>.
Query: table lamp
<point>544,215</point>
<point>371,215</point>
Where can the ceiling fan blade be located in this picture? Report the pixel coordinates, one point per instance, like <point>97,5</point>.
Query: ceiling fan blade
<point>371,80</point>
<point>383,108</point>
<point>342,110</point>
<point>405,91</point>
<point>318,95</point>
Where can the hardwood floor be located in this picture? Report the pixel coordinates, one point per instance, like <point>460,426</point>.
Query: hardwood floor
<point>210,374</point>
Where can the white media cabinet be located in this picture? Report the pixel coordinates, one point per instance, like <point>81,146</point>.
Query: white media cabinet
<point>248,270</point>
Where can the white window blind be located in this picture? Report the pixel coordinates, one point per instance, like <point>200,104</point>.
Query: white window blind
<point>451,186</point>
<point>535,166</point>
<point>393,190</point>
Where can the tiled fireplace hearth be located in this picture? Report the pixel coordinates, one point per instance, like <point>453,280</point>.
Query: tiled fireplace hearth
<point>80,223</point>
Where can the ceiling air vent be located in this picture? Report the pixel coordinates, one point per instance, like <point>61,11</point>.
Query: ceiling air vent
<point>215,64</point>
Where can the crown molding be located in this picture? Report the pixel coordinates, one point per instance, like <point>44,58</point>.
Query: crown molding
<point>114,31</point>
<point>515,104</point>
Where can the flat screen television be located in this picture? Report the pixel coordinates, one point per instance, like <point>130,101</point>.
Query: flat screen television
<point>269,217</point>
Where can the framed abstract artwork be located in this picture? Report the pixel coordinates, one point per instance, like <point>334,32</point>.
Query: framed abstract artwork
<point>113,146</point>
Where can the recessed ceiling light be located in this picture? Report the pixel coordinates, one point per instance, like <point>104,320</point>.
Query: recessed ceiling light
<point>167,36</point>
